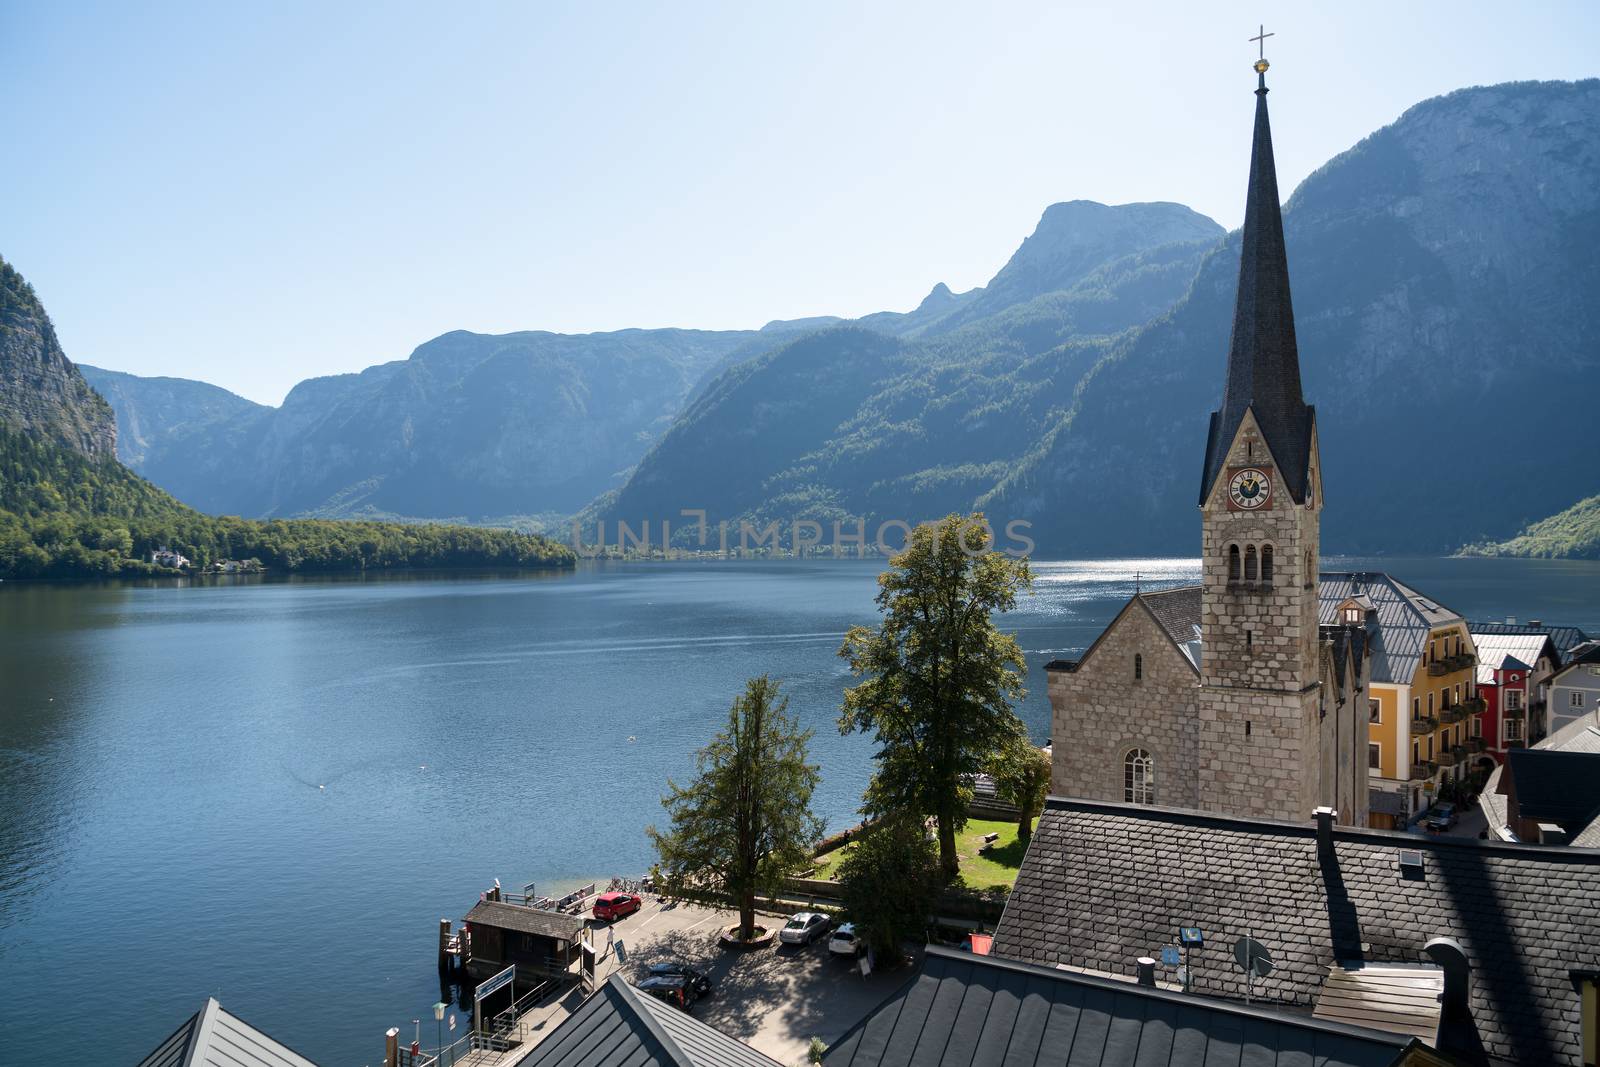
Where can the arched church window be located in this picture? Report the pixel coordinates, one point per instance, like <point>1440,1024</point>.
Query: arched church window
<point>1250,563</point>
<point>1266,564</point>
<point>1138,667</point>
<point>1138,777</point>
<point>1233,563</point>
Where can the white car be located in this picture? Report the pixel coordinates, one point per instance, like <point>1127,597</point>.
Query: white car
<point>845,941</point>
<point>804,927</point>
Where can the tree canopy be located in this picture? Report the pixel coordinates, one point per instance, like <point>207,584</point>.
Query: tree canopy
<point>938,679</point>
<point>889,881</point>
<point>745,823</point>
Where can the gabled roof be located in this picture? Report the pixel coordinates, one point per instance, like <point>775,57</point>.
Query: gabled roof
<point>1405,619</point>
<point>1494,648</point>
<point>1583,655</point>
<point>1103,884</point>
<point>1582,735</point>
<point>1565,638</point>
<point>966,1010</point>
<point>525,920</point>
<point>621,1027</point>
<point>214,1038</point>
<point>1263,361</point>
<point>1176,611</point>
<point>1558,786</point>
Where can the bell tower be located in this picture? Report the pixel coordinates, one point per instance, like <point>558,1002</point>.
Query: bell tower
<point>1260,504</point>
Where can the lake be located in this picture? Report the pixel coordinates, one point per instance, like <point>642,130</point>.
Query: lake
<point>271,791</point>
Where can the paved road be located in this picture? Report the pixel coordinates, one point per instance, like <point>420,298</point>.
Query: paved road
<point>774,999</point>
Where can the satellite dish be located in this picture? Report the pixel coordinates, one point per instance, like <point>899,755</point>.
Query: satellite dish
<point>1252,956</point>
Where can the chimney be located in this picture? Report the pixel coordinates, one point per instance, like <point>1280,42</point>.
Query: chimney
<point>1324,816</point>
<point>1147,971</point>
<point>1511,620</point>
<point>1452,960</point>
<point>1537,624</point>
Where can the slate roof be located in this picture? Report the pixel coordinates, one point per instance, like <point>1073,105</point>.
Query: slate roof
<point>1178,612</point>
<point>1263,361</point>
<point>621,1027</point>
<point>1103,884</point>
<point>525,920</point>
<point>1405,618</point>
<point>964,1010</point>
<point>1557,785</point>
<point>1582,735</point>
<point>1494,648</point>
<point>214,1038</point>
<point>1565,638</point>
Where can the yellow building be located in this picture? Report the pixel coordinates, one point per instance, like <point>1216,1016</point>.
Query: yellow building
<point>1425,726</point>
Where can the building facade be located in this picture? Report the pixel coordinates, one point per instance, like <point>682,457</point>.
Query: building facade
<point>1575,688</point>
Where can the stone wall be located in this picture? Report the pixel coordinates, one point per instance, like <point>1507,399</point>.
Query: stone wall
<point>1100,711</point>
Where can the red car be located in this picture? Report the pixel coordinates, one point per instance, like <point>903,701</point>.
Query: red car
<point>608,906</point>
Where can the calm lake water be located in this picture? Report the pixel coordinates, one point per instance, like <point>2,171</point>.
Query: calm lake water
<point>270,792</point>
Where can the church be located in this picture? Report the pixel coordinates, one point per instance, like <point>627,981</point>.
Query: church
<point>1232,696</point>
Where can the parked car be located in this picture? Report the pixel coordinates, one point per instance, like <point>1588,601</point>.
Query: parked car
<point>700,983</point>
<point>846,942</point>
<point>1441,818</point>
<point>804,927</point>
<point>676,989</point>
<point>608,906</point>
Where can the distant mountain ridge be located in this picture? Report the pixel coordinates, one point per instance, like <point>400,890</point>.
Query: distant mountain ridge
<point>41,392</point>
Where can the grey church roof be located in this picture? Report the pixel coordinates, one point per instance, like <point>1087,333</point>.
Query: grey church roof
<point>1405,619</point>
<point>1263,360</point>
<point>621,1027</point>
<point>214,1038</point>
<point>966,1010</point>
<point>1103,884</point>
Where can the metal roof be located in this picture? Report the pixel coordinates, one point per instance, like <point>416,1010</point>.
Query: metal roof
<point>1555,785</point>
<point>967,1010</point>
<point>525,920</point>
<point>1103,884</point>
<point>1565,638</point>
<point>1493,648</point>
<point>214,1038</point>
<point>620,1027</point>
<point>1405,619</point>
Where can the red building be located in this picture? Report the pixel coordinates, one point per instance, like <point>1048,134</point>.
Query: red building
<point>1513,673</point>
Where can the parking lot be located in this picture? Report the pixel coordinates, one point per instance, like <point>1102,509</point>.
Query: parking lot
<point>775,999</point>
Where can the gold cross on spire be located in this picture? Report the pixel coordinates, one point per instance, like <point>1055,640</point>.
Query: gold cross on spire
<point>1260,39</point>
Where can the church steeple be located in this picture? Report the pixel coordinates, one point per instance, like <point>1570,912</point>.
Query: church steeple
<point>1263,361</point>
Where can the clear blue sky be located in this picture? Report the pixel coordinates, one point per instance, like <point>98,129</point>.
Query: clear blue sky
<point>256,194</point>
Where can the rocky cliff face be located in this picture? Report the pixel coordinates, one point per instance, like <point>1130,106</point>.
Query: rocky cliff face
<point>41,392</point>
<point>155,416</point>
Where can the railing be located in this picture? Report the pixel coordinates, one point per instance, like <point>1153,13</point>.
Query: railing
<point>1437,669</point>
<point>1423,770</point>
<point>1460,753</point>
<point>1475,705</point>
<point>1452,715</point>
<point>1423,724</point>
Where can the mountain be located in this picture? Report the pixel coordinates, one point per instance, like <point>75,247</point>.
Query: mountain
<point>470,426</point>
<point>154,413</point>
<point>1572,534</point>
<point>1445,273</point>
<point>70,509</point>
<point>41,392</point>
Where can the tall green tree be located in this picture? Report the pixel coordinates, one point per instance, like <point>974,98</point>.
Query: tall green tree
<point>889,881</point>
<point>745,823</point>
<point>1021,775</point>
<point>938,679</point>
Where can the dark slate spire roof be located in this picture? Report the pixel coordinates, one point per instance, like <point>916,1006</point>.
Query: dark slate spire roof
<point>1263,362</point>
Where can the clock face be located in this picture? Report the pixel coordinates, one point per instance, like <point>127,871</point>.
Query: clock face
<point>1249,488</point>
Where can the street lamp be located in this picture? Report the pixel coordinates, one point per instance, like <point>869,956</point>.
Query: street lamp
<point>438,1023</point>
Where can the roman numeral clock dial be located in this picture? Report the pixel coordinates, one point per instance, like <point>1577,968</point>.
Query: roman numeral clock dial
<point>1249,488</point>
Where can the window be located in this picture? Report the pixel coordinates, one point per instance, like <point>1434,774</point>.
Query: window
<point>1416,752</point>
<point>1416,707</point>
<point>1513,729</point>
<point>1374,755</point>
<point>1458,692</point>
<point>1266,563</point>
<point>1430,703</point>
<point>1138,667</point>
<point>1444,698</point>
<point>1352,616</point>
<point>1374,712</point>
<point>1575,699</point>
<point>1250,569</point>
<point>1430,746</point>
<point>1138,777</point>
<point>1513,700</point>
<point>1477,726</point>
<point>1233,563</point>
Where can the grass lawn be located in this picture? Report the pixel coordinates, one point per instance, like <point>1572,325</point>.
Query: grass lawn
<point>997,868</point>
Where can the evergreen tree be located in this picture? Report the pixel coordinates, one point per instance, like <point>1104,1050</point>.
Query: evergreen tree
<point>889,881</point>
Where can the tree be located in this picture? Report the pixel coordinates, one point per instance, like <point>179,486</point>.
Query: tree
<point>889,880</point>
<point>745,823</point>
<point>1021,775</point>
<point>938,677</point>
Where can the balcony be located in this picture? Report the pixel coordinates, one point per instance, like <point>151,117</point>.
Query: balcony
<point>1452,715</point>
<point>1461,754</point>
<point>1438,669</point>
<point>1421,772</point>
<point>1475,705</point>
<point>1423,724</point>
<point>1461,661</point>
<point>1476,744</point>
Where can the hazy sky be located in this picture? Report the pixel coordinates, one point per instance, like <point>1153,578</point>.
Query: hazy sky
<point>256,194</point>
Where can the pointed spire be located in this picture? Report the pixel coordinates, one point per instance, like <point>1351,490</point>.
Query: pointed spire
<point>1263,361</point>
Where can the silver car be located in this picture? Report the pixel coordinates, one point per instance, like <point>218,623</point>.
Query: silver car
<point>804,927</point>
